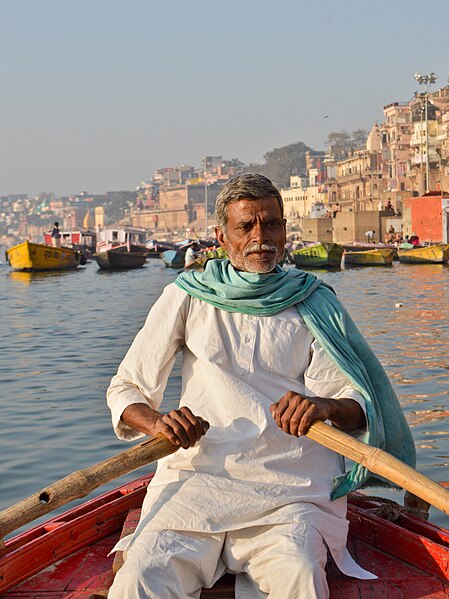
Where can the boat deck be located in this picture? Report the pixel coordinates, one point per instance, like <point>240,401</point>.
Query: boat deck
<point>411,556</point>
<point>89,572</point>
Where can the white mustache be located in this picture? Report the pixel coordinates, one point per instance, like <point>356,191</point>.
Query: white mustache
<point>259,247</point>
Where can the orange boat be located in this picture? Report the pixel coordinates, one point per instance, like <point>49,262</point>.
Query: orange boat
<point>67,556</point>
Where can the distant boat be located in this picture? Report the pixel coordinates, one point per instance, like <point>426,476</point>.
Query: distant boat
<point>35,257</point>
<point>375,257</point>
<point>155,248</point>
<point>317,255</point>
<point>80,239</point>
<point>173,258</point>
<point>109,237</point>
<point>429,254</point>
<point>120,257</point>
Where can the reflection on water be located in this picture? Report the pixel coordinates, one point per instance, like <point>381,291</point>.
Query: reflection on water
<point>26,278</point>
<point>63,335</point>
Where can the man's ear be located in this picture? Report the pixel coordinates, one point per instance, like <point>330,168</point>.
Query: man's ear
<point>221,237</point>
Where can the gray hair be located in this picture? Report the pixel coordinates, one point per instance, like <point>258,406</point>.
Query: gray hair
<point>251,186</point>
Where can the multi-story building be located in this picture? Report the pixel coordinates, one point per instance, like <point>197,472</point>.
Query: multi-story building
<point>440,99</point>
<point>424,137</point>
<point>396,133</point>
<point>165,177</point>
<point>180,207</point>
<point>355,183</point>
<point>304,198</point>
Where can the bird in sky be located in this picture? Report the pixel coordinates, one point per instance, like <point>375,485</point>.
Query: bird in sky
<point>325,116</point>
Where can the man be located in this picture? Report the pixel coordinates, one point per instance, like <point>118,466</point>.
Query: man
<point>190,255</point>
<point>370,235</point>
<point>56,235</point>
<point>247,492</point>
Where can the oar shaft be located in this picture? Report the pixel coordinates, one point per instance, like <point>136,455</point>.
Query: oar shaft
<point>382,463</point>
<point>82,482</point>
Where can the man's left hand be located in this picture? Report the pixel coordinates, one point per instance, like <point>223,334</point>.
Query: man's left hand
<point>294,413</point>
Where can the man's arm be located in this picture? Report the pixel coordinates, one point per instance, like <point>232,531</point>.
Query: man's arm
<point>136,392</point>
<point>180,426</point>
<point>294,413</point>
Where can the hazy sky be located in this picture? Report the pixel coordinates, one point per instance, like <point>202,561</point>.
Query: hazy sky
<point>97,94</point>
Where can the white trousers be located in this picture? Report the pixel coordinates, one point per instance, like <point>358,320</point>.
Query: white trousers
<point>284,561</point>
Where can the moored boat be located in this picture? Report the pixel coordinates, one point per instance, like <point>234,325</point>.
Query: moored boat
<point>67,556</point>
<point>81,239</point>
<point>428,254</point>
<point>173,258</point>
<point>317,255</point>
<point>155,248</point>
<point>36,257</point>
<point>119,258</point>
<point>374,257</point>
<point>134,237</point>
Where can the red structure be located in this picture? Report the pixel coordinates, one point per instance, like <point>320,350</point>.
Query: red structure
<point>427,216</point>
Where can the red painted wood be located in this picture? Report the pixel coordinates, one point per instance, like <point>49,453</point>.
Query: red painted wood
<point>407,557</point>
<point>406,545</point>
<point>34,550</point>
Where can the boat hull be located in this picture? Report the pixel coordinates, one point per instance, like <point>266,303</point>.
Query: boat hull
<point>432,254</point>
<point>173,258</point>
<point>377,257</point>
<point>118,260</point>
<point>317,256</point>
<point>67,556</point>
<point>38,257</point>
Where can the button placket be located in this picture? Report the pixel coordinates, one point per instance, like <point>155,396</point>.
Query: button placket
<point>248,343</point>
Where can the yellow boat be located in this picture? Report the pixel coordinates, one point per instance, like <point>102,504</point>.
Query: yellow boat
<point>33,257</point>
<point>317,255</point>
<point>374,257</point>
<point>430,254</point>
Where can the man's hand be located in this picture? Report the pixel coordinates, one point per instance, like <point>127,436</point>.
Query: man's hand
<point>294,413</point>
<point>180,426</point>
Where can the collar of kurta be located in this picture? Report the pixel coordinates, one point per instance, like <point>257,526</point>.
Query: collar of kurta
<point>231,290</point>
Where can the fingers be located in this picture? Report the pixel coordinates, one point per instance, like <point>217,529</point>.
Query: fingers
<point>182,428</point>
<point>294,413</point>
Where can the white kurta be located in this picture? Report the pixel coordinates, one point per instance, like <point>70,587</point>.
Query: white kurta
<point>245,471</point>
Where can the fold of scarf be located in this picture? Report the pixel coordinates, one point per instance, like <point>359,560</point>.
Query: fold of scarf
<point>231,290</point>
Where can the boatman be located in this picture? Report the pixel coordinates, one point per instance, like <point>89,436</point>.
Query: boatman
<point>56,235</point>
<point>265,352</point>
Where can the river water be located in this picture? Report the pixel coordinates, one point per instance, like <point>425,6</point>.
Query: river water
<point>62,336</point>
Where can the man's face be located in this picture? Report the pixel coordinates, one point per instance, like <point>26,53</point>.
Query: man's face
<point>254,236</point>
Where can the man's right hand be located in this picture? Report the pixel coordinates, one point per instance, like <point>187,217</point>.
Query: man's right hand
<point>180,426</point>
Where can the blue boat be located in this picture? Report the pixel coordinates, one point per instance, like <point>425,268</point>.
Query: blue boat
<point>173,258</point>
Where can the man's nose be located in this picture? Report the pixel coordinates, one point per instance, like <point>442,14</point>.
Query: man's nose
<point>260,232</point>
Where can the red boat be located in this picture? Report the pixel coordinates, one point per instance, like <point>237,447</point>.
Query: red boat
<point>67,556</point>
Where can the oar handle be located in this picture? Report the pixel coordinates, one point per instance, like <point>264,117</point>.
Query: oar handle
<point>380,462</point>
<point>82,482</point>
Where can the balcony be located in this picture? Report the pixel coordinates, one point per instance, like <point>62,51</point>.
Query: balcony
<point>433,158</point>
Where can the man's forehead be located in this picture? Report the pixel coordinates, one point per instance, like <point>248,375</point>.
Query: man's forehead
<point>249,207</point>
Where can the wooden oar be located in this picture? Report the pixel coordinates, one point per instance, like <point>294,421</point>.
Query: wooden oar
<point>81,483</point>
<point>382,463</point>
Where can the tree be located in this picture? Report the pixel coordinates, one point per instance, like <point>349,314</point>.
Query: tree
<point>339,144</point>
<point>281,163</point>
<point>358,139</point>
<point>342,143</point>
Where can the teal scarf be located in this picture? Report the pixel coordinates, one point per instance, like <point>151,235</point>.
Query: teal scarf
<point>265,294</point>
